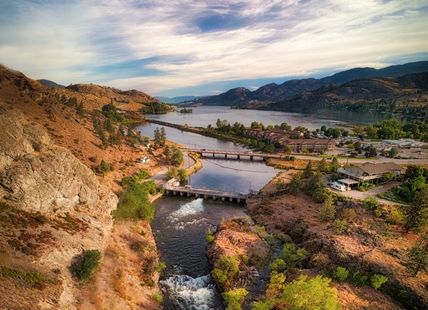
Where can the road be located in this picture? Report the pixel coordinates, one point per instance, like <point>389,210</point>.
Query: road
<point>381,159</point>
<point>160,175</point>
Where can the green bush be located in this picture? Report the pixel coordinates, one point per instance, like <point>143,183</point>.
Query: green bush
<point>339,226</point>
<point>301,294</point>
<point>134,203</point>
<point>341,273</point>
<point>225,272</point>
<point>377,280</point>
<point>371,203</point>
<point>234,298</point>
<point>278,265</point>
<point>209,237</point>
<point>89,261</point>
<point>160,267</point>
<point>357,279</point>
<point>157,297</point>
<point>294,257</point>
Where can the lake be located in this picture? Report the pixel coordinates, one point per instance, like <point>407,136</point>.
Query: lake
<point>204,115</point>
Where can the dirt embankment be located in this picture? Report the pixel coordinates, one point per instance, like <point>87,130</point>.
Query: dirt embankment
<point>367,245</point>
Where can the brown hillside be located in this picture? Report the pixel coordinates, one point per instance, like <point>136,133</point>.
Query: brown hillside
<point>46,149</point>
<point>100,95</point>
<point>410,90</point>
<point>364,246</point>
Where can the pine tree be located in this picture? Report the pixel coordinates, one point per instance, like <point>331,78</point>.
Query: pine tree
<point>416,217</point>
<point>162,136</point>
<point>295,185</point>
<point>417,257</point>
<point>328,210</point>
<point>80,110</point>
<point>307,173</point>
<point>322,165</point>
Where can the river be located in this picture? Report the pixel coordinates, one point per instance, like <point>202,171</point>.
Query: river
<point>180,223</point>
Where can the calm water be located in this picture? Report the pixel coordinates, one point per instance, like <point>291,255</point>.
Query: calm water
<point>202,116</point>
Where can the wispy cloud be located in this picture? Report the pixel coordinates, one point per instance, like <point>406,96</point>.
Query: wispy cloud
<point>155,46</point>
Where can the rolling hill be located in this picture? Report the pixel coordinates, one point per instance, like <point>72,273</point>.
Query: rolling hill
<point>243,97</point>
<point>411,89</point>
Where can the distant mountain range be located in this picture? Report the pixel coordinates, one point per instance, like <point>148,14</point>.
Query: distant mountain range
<point>175,99</point>
<point>272,93</point>
<point>410,90</point>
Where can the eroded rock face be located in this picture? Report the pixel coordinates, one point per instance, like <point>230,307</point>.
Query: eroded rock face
<point>19,137</point>
<point>39,177</point>
<point>49,182</point>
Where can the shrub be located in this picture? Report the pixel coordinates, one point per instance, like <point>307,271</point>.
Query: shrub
<point>294,256</point>
<point>209,237</point>
<point>341,273</point>
<point>234,298</point>
<point>157,297</point>
<point>395,217</point>
<point>349,214</point>
<point>339,226</point>
<point>278,265</point>
<point>357,279</point>
<point>89,261</point>
<point>386,230</point>
<point>371,203</point>
<point>160,267</point>
<point>261,231</point>
<point>321,194</point>
<point>309,294</point>
<point>299,228</point>
<point>377,280</point>
<point>134,203</point>
<point>225,272</point>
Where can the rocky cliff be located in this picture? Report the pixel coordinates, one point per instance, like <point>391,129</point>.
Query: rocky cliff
<point>53,206</point>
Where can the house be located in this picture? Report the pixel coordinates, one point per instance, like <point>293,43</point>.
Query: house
<point>370,171</point>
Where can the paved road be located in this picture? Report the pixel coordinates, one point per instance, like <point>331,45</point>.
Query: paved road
<point>381,159</point>
<point>356,194</point>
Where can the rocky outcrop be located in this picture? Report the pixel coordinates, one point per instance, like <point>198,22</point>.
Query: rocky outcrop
<point>42,181</point>
<point>236,238</point>
<point>39,177</point>
<point>18,138</point>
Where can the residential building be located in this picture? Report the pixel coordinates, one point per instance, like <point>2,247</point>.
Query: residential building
<point>290,138</point>
<point>370,171</point>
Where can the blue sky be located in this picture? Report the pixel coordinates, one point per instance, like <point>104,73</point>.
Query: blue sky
<point>195,47</point>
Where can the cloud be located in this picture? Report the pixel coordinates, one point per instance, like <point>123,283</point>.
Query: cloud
<point>156,46</point>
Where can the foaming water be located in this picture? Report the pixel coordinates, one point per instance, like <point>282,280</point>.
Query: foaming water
<point>179,227</point>
<point>187,210</point>
<point>192,293</point>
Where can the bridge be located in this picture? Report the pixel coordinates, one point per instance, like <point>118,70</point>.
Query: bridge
<point>172,188</point>
<point>236,154</point>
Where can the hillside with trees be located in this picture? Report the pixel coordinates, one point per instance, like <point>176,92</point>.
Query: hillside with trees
<point>244,98</point>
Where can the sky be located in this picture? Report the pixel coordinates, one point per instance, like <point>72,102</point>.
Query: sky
<point>196,47</point>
